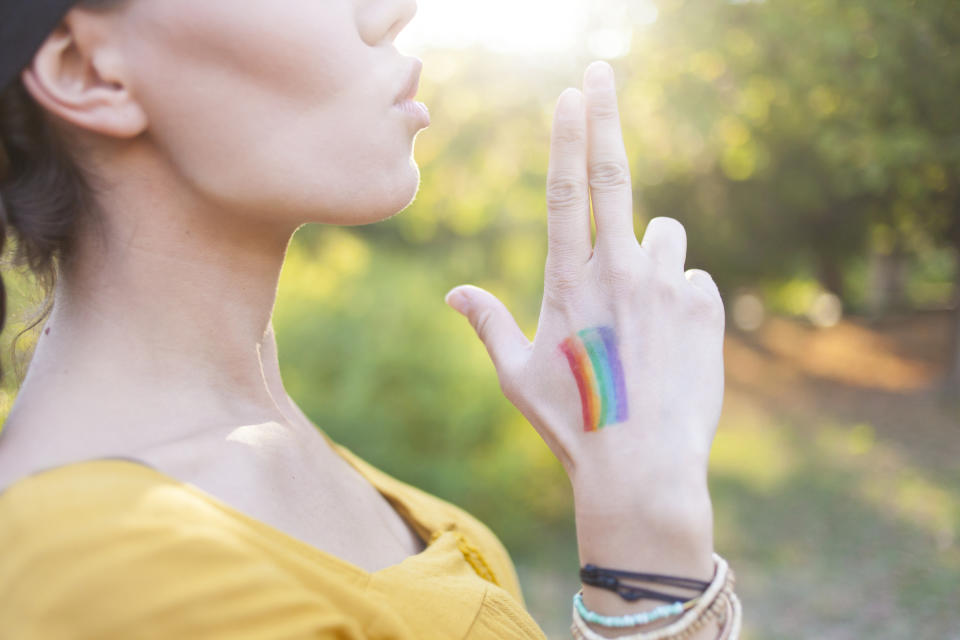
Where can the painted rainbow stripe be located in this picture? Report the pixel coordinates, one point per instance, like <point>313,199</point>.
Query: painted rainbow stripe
<point>595,363</point>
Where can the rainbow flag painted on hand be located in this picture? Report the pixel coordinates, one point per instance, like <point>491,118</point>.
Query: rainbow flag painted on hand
<point>595,362</point>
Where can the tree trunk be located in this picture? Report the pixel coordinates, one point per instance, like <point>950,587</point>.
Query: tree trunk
<point>830,274</point>
<point>886,292</point>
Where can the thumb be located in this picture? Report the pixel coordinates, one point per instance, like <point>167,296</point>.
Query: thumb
<point>492,321</point>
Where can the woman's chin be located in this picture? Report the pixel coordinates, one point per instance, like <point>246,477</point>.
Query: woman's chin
<point>378,197</point>
<point>401,196</point>
<point>378,205</point>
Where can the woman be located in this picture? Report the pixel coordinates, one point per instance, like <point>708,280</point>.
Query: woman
<point>157,479</point>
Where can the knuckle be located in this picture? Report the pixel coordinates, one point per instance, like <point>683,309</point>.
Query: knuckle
<point>609,173</point>
<point>561,287</point>
<point>701,302</point>
<point>707,307</point>
<point>565,192</point>
<point>645,266</point>
<point>666,290</point>
<point>482,323</point>
<point>561,259</point>
<point>618,276</point>
<point>570,134</point>
<point>603,107</point>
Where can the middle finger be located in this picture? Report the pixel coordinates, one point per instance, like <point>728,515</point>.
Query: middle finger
<point>607,166</point>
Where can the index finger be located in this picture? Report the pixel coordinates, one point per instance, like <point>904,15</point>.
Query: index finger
<point>568,204</point>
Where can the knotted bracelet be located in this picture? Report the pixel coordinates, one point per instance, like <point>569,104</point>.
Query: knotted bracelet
<point>609,579</point>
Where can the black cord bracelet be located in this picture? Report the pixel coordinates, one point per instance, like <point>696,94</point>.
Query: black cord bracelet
<point>610,579</point>
<point>631,593</point>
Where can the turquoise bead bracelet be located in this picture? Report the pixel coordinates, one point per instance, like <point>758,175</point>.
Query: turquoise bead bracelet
<point>631,620</point>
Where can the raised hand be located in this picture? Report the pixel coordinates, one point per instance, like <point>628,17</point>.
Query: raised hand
<point>624,379</point>
<point>625,374</point>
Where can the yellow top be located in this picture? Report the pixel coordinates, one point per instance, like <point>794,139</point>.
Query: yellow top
<point>112,548</point>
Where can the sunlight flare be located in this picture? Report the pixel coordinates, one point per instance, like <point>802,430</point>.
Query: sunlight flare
<point>532,27</point>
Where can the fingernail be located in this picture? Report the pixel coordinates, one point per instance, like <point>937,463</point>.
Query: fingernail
<point>600,76</point>
<point>458,301</point>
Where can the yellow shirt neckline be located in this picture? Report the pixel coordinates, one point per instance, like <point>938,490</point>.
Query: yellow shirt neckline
<point>431,535</point>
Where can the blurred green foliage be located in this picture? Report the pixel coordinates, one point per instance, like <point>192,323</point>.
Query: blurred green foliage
<point>809,132</point>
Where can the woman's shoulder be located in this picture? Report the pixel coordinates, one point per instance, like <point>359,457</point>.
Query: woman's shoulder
<point>30,449</point>
<point>110,493</point>
<point>94,513</point>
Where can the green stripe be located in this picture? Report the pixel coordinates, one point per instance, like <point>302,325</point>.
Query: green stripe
<point>593,342</point>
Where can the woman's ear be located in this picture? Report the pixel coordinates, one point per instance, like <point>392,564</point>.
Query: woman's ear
<point>78,75</point>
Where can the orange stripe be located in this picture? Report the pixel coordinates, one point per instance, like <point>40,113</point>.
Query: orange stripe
<point>590,382</point>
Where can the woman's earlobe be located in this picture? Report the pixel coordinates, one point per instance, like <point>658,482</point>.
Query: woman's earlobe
<point>80,88</point>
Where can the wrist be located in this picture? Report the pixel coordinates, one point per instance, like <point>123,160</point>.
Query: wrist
<point>606,457</point>
<point>645,523</point>
<point>673,490</point>
<point>657,531</point>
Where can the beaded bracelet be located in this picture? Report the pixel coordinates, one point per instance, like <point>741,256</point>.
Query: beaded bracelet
<point>725,611</point>
<point>717,603</point>
<point>633,619</point>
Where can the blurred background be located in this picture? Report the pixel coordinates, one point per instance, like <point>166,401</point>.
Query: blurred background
<point>812,150</point>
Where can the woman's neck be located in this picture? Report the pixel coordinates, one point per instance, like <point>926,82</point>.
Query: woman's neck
<point>163,321</point>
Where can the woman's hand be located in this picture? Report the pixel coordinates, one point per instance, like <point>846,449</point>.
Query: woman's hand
<point>624,379</point>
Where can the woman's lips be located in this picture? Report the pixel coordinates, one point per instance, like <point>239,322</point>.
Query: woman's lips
<point>405,102</point>
<point>416,110</point>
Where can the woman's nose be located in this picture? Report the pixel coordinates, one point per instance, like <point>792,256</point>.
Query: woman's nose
<point>381,20</point>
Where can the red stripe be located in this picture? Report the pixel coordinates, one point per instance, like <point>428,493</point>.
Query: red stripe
<point>568,347</point>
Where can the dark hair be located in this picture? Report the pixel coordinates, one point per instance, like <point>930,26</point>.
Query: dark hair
<point>44,192</point>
